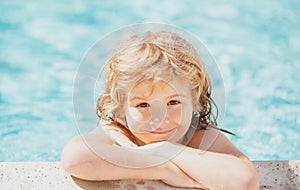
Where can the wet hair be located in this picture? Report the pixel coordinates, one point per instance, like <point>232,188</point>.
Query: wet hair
<point>149,56</point>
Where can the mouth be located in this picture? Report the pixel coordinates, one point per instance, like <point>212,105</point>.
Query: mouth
<point>162,131</point>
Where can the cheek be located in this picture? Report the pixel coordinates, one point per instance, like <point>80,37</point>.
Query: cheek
<point>182,115</point>
<point>187,114</point>
<point>175,114</point>
<point>186,118</point>
<point>134,115</point>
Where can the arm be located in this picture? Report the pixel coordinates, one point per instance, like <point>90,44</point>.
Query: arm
<point>222,166</point>
<point>216,170</point>
<point>80,158</point>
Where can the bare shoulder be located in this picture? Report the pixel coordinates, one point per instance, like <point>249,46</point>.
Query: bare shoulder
<point>98,134</point>
<point>86,148</point>
<point>215,141</point>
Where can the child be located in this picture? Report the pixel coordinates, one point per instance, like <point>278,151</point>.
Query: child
<point>158,94</point>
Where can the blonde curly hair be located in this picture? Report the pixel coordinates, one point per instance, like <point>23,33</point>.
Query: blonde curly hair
<point>150,55</point>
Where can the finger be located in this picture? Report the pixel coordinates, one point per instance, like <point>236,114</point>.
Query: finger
<point>121,139</point>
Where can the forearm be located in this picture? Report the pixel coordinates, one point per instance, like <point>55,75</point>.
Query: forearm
<point>215,170</point>
<point>87,162</point>
<point>99,170</point>
<point>102,170</point>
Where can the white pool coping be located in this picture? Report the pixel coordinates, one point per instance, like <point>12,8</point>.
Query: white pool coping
<point>50,175</point>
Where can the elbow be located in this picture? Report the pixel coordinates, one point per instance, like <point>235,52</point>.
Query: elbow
<point>249,180</point>
<point>80,161</point>
<point>67,161</point>
<point>73,155</point>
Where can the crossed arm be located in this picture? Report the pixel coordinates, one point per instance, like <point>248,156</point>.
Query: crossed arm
<point>221,167</point>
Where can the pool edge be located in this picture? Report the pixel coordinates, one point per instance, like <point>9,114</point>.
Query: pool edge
<point>50,175</point>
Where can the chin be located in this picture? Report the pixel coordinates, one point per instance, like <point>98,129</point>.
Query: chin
<point>156,141</point>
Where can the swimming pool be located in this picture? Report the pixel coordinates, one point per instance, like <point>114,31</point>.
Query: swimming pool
<point>256,46</point>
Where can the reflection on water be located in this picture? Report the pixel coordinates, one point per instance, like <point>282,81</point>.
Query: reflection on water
<point>256,46</point>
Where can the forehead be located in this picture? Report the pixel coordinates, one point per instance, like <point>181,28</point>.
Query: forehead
<point>175,86</point>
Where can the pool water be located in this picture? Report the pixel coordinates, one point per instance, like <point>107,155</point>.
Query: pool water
<point>255,44</point>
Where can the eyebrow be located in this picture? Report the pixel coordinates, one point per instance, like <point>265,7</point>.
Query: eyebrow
<point>137,98</point>
<point>169,97</point>
<point>175,95</point>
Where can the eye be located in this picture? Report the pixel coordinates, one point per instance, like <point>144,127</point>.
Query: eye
<point>173,102</point>
<point>142,105</point>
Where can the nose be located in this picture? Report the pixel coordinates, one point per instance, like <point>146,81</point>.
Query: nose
<point>158,112</point>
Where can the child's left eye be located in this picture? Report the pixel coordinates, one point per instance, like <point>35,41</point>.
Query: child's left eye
<point>143,105</point>
<point>173,102</point>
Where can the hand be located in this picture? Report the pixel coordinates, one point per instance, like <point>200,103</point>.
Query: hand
<point>121,139</point>
<point>176,177</point>
<point>162,149</point>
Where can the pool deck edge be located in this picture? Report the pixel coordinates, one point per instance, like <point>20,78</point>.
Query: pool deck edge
<point>50,175</point>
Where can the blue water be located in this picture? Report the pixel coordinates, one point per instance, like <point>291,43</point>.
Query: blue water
<point>256,45</point>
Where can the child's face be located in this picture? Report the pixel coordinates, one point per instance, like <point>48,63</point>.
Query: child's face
<point>160,111</point>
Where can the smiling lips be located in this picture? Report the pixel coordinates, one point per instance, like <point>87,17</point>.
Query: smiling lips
<point>161,131</point>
